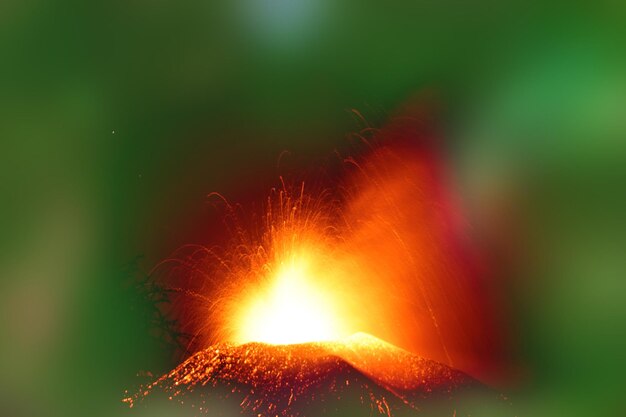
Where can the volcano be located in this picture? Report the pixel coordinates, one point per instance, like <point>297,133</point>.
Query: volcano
<point>360,374</point>
<point>382,248</point>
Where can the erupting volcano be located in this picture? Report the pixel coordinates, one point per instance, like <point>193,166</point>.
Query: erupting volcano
<point>366,292</point>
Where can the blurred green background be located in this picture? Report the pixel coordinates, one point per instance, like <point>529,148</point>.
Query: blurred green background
<point>119,117</point>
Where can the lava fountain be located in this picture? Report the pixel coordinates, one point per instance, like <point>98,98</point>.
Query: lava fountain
<point>371,284</point>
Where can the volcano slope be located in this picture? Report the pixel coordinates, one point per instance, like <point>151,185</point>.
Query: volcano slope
<point>359,375</point>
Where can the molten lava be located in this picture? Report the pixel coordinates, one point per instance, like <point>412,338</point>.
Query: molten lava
<point>292,309</point>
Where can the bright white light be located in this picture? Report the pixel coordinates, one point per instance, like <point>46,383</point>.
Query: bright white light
<point>291,311</point>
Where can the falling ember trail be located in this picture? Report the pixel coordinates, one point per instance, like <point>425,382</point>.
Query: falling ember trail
<point>341,290</point>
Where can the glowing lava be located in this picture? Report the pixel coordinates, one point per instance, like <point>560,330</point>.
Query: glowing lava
<point>292,309</point>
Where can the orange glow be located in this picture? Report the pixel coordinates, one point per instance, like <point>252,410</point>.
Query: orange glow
<point>383,252</point>
<point>367,288</point>
<point>293,290</point>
